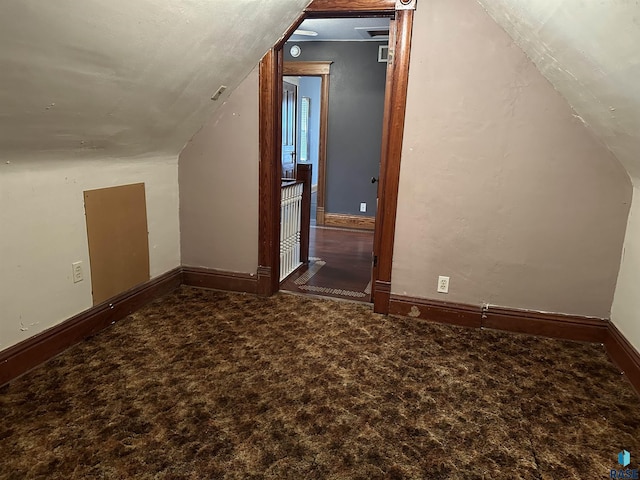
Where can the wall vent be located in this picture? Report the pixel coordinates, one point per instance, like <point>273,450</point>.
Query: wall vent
<point>383,53</point>
<point>373,33</point>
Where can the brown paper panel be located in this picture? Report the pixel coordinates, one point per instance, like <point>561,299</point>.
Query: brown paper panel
<point>118,239</point>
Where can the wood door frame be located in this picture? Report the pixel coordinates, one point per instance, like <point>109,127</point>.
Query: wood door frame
<point>295,132</point>
<point>320,69</point>
<point>270,97</point>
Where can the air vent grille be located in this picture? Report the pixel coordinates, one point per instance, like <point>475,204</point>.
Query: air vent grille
<point>373,33</point>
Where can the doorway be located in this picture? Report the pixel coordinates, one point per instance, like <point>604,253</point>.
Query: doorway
<point>342,240</point>
<point>308,131</point>
<point>315,149</point>
<point>289,128</point>
<point>339,265</point>
<point>271,71</point>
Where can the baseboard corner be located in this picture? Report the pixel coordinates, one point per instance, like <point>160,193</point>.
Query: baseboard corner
<point>220,279</point>
<point>349,221</point>
<point>623,355</point>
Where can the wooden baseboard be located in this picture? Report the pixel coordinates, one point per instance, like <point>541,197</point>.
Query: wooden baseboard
<point>349,221</point>
<point>28,354</point>
<point>220,279</point>
<point>381,296</point>
<point>624,355</point>
<point>569,327</point>
<point>265,285</point>
<point>442,312</point>
<point>22,357</point>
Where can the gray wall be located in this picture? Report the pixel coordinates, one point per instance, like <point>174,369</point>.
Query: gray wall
<point>356,103</point>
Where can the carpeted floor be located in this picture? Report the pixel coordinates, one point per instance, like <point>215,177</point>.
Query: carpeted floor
<point>207,385</point>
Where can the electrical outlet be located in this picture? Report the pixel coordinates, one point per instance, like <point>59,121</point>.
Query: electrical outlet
<point>363,207</point>
<point>77,272</point>
<point>443,284</point>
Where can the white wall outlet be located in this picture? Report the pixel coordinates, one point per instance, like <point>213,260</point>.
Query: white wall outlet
<point>363,207</point>
<point>76,267</point>
<point>443,284</point>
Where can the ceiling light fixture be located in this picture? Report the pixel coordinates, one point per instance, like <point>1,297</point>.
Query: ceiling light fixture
<point>306,33</point>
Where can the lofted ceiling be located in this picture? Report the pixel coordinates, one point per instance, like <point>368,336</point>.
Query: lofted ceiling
<point>128,78</point>
<point>123,78</point>
<point>588,50</point>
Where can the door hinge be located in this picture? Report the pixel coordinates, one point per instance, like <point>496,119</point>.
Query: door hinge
<point>375,260</point>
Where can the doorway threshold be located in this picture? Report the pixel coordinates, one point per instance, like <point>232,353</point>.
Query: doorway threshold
<point>339,265</point>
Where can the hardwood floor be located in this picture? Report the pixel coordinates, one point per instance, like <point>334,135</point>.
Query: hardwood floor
<point>339,266</point>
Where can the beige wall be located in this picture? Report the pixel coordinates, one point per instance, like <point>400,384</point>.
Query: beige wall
<point>502,188</point>
<point>43,231</point>
<point>626,303</point>
<point>589,52</point>
<point>219,186</point>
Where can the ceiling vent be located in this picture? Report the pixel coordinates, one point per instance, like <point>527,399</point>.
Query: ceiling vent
<point>373,33</point>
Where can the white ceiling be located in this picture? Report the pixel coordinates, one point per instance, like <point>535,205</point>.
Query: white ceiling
<point>129,78</point>
<point>123,78</point>
<point>590,51</point>
<point>340,29</point>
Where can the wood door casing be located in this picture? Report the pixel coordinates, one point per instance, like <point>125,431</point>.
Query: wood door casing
<point>289,119</point>
<point>320,69</point>
<point>384,145</point>
<point>393,134</point>
<point>271,68</point>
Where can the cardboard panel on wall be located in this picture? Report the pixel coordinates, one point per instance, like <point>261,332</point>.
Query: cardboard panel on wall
<point>118,239</point>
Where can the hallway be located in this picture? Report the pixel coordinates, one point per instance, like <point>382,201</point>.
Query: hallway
<point>339,265</point>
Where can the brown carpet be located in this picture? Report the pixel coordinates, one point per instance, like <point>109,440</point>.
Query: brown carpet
<point>207,385</point>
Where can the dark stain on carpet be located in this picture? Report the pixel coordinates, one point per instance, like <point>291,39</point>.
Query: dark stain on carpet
<point>205,384</point>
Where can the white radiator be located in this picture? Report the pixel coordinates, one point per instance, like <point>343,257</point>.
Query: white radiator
<point>290,211</point>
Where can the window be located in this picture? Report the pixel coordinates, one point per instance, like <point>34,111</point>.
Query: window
<point>304,128</point>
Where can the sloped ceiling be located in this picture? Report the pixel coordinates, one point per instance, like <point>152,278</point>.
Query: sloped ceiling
<point>130,78</point>
<point>123,78</point>
<point>588,50</point>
